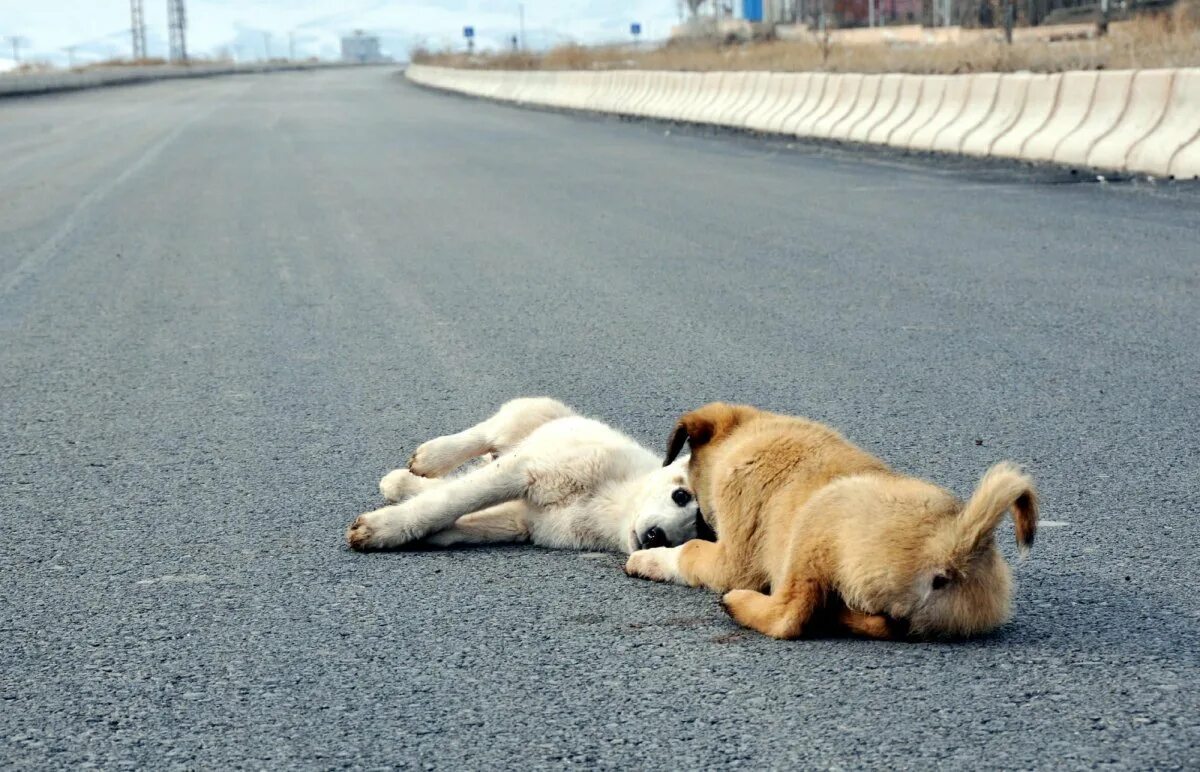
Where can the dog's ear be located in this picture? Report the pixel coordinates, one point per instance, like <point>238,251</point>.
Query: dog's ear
<point>682,433</point>
<point>702,426</point>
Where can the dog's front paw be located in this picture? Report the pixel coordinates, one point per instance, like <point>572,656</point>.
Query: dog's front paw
<point>361,535</point>
<point>400,484</point>
<point>382,529</point>
<point>660,564</point>
<point>437,457</point>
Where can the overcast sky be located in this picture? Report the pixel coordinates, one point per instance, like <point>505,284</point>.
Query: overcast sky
<point>100,27</point>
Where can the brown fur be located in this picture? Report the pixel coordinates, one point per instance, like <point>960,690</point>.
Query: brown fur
<point>811,528</point>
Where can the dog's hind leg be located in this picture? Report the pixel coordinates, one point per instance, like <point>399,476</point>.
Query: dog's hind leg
<point>782,614</point>
<point>502,524</point>
<point>400,484</point>
<point>875,626</point>
<point>437,507</point>
<point>513,422</point>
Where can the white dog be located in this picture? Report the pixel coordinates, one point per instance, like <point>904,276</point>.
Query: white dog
<point>557,480</point>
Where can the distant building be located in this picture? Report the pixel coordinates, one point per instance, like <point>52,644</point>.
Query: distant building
<point>361,48</point>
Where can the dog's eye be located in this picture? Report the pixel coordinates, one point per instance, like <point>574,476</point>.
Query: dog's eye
<point>681,497</point>
<point>940,581</point>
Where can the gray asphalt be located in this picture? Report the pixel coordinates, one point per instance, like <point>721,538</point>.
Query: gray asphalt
<point>227,307</point>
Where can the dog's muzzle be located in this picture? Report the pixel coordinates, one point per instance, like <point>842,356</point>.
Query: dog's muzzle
<point>653,537</point>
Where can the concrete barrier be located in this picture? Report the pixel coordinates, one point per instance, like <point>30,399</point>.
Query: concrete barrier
<point>981,97</point>
<point>645,92</point>
<point>1041,96</point>
<point>864,103</point>
<point>759,118</point>
<point>906,104</point>
<point>1000,117</point>
<point>654,95</point>
<point>1148,95</point>
<point>1140,121</point>
<point>953,102</point>
<point>757,91</point>
<point>803,102</point>
<point>1185,164</point>
<point>1179,127</point>
<point>885,102</point>
<point>805,127</point>
<point>669,90</point>
<point>847,96</point>
<point>1070,110</point>
<point>733,92</point>
<point>22,84</point>
<point>662,96</point>
<point>708,93</point>
<point>1108,105</point>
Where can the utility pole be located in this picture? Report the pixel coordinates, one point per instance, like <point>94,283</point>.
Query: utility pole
<point>70,56</point>
<point>177,24</point>
<point>137,26</point>
<point>267,45</point>
<point>521,11</point>
<point>15,41</point>
<point>292,46</point>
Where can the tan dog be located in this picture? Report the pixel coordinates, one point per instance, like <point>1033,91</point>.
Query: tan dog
<point>834,535</point>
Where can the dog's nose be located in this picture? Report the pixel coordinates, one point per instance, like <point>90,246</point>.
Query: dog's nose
<point>654,537</point>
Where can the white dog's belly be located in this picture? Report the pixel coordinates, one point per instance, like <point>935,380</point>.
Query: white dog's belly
<point>580,526</point>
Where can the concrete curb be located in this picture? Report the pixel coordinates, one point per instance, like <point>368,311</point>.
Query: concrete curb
<point>1141,121</point>
<point>50,82</point>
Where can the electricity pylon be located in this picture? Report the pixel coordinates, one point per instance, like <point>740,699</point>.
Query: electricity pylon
<point>137,27</point>
<point>177,23</point>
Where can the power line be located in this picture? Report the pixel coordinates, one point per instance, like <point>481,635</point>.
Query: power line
<point>177,22</point>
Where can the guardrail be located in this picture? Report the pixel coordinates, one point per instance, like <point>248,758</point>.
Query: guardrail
<point>1138,121</point>
<point>69,80</point>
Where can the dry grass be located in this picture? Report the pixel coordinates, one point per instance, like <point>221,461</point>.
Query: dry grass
<point>1161,41</point>
<point>117,62</point>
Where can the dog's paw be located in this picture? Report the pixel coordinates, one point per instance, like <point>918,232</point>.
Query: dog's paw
<point>384,528</point>
<point>734,600</point>
<point>361,535</point>
<point>400,484</point>
<point>660,564</point>
<point>438,457</point>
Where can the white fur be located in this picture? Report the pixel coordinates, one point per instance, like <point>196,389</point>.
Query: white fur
<point>558,480</point>
<point>660,564</point>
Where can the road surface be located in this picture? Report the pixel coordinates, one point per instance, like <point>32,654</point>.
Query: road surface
<point>229,306</point>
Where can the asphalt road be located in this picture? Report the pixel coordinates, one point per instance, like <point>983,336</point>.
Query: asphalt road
<point>227,307</point>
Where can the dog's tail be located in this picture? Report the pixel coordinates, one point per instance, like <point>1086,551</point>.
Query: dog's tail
<point>1003,488</point>
<point>703,425</point>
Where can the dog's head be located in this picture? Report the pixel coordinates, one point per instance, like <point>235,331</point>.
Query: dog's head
<point>667,512</point>
<point>928,558</point>
<point>702,430</point>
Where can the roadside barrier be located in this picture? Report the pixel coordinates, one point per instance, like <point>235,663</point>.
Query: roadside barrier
<point>1041,97</point>
<point>1141,121</point>
<point>21,84</point>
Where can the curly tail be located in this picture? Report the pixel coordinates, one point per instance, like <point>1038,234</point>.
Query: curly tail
<point>1003,488</point>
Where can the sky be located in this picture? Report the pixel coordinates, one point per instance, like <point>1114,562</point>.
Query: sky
<point>100,28</point>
